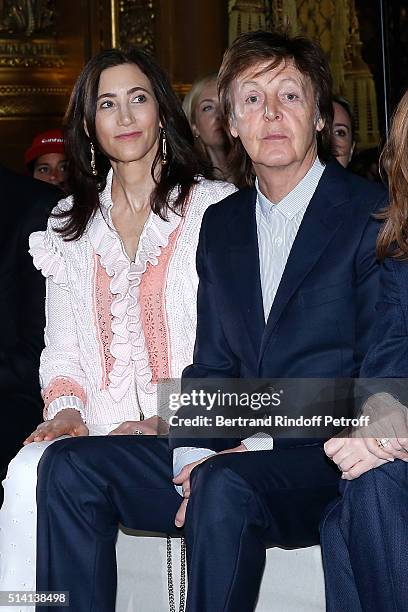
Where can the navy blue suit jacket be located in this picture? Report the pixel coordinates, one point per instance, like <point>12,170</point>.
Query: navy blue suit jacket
<point>388,354</point>
<point>320,322</point>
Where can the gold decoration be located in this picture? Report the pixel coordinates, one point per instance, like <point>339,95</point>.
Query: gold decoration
<point>283,16</point>
<point>182,89</point>
<point>246,16</point>
<point>34,53</point>
<point>114,23</point>
<point>20,101</point>
<point>26,17</point>
<point>359,87</point>
<point>326,21</point>
<point>136,23</point>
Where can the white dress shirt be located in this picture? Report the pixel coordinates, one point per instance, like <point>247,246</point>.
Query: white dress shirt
<point>277,227</point>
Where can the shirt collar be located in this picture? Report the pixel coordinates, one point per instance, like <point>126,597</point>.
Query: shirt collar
<point>297,199</point>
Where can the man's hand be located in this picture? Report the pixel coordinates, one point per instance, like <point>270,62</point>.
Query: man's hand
<point>183,479</point>
<point>153,426</point>
<point>66,422</point>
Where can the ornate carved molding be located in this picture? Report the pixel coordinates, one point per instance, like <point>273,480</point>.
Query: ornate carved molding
<point>27,17</point>
<point>245,16</point>
<point>137,23</point>
<point>24,100</point>
<point>29,54</point>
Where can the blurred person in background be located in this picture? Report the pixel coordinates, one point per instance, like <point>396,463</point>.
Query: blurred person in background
<point>343,132</point>
<point>212,141</point>
<point>21,305</point>
<point>46,161</point>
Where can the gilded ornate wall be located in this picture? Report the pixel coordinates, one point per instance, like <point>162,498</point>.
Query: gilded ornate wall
<point>44,44</point>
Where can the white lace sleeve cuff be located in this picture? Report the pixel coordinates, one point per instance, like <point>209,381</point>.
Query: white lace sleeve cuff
<point>65,401</point>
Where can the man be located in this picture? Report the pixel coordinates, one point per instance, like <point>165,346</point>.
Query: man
<point>26,205</point>
<point>289,291</point>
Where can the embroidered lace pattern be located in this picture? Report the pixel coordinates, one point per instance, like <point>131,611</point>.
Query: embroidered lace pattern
<point>153,308</point>
<point>103,318</point>
<point>62,386</point>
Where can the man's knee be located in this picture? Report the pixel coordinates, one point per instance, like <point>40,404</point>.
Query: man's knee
<point>215,484</point>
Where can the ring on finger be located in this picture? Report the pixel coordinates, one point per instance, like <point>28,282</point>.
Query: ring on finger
<point>137,432</point>
<point>383,442</point>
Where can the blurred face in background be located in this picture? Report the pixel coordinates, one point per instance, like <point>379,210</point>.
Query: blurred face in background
<point>52,168</point>
<point>207,122</point>
<point>342,135</point>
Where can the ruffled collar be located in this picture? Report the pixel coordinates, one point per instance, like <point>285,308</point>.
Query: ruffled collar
<point>128,345</point>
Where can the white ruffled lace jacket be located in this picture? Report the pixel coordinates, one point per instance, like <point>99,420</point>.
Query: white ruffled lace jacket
<point>114,327</point>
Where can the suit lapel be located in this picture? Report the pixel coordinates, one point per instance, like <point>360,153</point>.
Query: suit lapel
<point>322,218</point>
<point>244,266</point>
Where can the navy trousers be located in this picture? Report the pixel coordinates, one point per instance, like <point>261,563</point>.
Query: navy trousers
<point>240,504</point>
<point>364,539</point>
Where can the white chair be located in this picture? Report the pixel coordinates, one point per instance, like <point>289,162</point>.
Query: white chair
<point>292,582</point>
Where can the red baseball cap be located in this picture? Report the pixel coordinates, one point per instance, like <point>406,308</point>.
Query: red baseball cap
<point>51,141</point>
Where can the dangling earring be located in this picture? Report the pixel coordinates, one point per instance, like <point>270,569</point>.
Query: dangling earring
<point>164,148</point>
<point>93,161</point>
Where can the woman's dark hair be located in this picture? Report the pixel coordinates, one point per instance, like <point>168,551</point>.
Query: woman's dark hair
<point>182,166</point>
<point>252,48</point>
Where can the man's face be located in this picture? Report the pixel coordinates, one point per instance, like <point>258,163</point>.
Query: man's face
<point>275,115</point>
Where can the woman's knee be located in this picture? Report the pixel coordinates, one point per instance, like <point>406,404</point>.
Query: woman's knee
<point>329,524</point>
<point>26,460</point>
<point>377,485</point>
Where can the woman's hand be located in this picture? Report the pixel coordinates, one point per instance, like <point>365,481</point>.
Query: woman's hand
<point>153,426</point>
<point>66,422</point>
<point>353,456</point>
<point>388,422</point>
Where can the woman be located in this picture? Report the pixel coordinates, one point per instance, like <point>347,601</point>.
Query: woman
<point>119,258</point>
<point>202,108</point>
<point>364,534</point>
<point>343,132</point>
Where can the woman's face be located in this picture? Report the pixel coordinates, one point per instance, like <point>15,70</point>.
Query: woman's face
<point>207,118</point>
<point>127,116</point>
<point>342,135</point>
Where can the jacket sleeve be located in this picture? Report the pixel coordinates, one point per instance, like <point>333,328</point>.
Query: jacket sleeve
<point>61,376</point>
<point>213,357</point>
